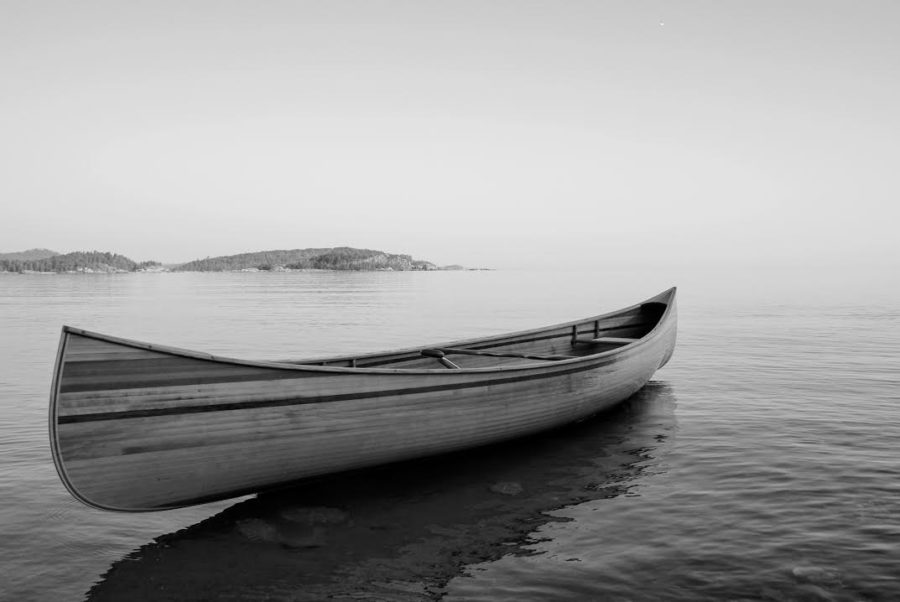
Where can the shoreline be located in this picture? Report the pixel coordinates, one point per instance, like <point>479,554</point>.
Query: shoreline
<point>245,270</point>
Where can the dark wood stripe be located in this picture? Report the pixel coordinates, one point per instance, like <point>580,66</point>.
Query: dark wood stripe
<point>170,381</point>
<point>145,364</point>
<point>303,400</point>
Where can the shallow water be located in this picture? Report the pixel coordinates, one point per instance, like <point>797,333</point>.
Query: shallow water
<point>759,464</point>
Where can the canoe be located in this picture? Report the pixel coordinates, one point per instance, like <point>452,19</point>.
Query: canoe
<point>140,427</point>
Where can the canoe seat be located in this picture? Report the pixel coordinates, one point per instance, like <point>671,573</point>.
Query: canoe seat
<point>439,354</point>
<point>607,341</point>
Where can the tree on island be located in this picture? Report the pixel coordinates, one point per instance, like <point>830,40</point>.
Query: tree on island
<point>79,261</point>
<point>338,258</point>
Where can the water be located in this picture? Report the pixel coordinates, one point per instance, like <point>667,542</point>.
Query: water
<point>760,464</point>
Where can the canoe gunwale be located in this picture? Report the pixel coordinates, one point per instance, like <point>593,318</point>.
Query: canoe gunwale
<point>311,364</point>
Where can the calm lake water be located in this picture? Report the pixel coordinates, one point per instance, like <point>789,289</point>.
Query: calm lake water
<point>761,464</point>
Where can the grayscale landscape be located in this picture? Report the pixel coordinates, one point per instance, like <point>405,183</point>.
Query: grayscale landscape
<point>329,294</point>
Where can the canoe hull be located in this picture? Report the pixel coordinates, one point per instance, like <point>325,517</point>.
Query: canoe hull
<point>138,428</point>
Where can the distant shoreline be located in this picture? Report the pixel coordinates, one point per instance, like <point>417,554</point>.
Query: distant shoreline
<point>247,271</point>
<point>341,259</point>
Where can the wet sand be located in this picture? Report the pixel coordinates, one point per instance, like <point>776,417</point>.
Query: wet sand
<point>401,532</point>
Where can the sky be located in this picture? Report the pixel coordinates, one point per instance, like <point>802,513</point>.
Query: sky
<point>486,133</point>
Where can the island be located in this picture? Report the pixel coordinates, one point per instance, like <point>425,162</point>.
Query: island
<point>336,258</point>
<point>38,261</point>
<point>330,258</point>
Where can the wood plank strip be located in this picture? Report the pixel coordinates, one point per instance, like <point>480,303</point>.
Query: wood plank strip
<point>171,433</point>
<point>309,399</point>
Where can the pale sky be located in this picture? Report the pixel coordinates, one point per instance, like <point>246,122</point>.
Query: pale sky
<point>487,133</point>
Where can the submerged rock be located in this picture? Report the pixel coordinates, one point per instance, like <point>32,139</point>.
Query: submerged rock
<point>507,488</point>
<point>317,515</point>
<point>817,575</point>
<point>256,529</point>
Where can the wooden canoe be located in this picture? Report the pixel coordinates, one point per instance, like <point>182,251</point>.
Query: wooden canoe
<point>139,427</point>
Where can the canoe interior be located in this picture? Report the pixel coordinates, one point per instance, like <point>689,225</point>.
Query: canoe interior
<point>554,344</point>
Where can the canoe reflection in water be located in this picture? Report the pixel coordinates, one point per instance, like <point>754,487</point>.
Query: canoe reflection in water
<point>402,531</point>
